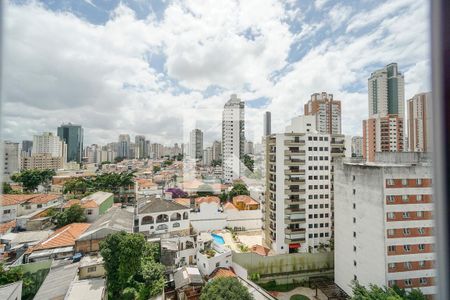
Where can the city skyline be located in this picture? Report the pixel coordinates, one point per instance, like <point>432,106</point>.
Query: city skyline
<point>277,85</point>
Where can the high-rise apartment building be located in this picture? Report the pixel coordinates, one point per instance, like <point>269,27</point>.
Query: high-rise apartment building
<point>357,146</point>
<point>383,134</point>
<point>267,130</point>
<point>384,130</point>
<point>42,161</point>
<point>386,89</point>
<point>384,222</point>
<point>72,135</point>
<point>27,146</point>
<point>297,207</point>
<point>207,156</point>
<point>140,148</point>
<point>233,137</point>
<point>419,123</point>
<point>248,147</point>
<point>216,150</point>
<point>48,143</point>
<point>123,147</point>
<point>327,112</point>
<point>157,150</point>
<point>10,160</point>
<point>196,144</point>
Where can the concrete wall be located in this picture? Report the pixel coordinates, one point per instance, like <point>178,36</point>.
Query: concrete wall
<point>107,204</point>
<point>96,271</point>
<point>249,219</point>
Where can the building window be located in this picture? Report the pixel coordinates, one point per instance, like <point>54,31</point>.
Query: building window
<point>390,215</point>
<point>405,215</point>
<point>92,269</point>
<point>421,230</point>
<point>422,263</point>
<point>391,199</point>
<point>354,191</point>
<point>354,205</point>
<point>89,211</point>
<point>391,266</point>
<point>217,264</point>
<point>408,265</point>
<point>418,198</point>
<point>405,198</point>
<point>175,225</point>
<point>390,182</point>
<point>406,231</point>
<point>354,263</point>
<point>354,234</point>
<point>391,283</point>
<point>404,182</point>
<point>391,232</point>
<point>421,247</point>
<point>354,220</point>
<point>408,282</point>
<point>419,182</point>
<point>419,214</point>
<point>354,248</point>
<point>423,280</point>
<point>391,248</point>
<point>6,211</point>
<point>407,248</point>
<point>27,206</point>
<point>39,206</point>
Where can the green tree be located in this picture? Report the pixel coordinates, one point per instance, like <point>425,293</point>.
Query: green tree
<point>6,188</point>
<point>249,162</point>
<point>238,189</point>
<point>223,197</point>
<point>77,186</point>
<point>225,288</point>
<point>131,266</point>
<point>31,179</point>
<point>73,214</point>
<point>375,292</point>
<point>156,169</point>
<point>11,275</point>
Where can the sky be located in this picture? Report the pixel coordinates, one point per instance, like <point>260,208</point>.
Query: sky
<point>157,67</point>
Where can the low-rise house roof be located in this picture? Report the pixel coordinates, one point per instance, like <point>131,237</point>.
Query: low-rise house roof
<point>92,289</point>
<point>13,199</point>
<point>183,201</point>
<point>207,199</point>
<point>261,250</point>
<point>63,237</point>
<point>26,237</point>
<point>115,219</point>
<point>58,280</point>
<point>97,197</point>
<point>246,199</point>
<point>155,205</point>
<point>229,205</point>
<point>222,272</point>
<point>187,276</point>
<point>6,227</point>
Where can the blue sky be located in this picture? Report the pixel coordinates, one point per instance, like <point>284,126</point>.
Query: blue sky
<point>151,67</point>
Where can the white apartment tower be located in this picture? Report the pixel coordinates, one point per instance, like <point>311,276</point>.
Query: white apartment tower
<point>327,112</point>
<point>196,144</point>
<point>297,207</point>
<point>384,222</point>
<point>10,160</point>
<point>419,123</point>
<point>48,143</point>
<point>233,138</point>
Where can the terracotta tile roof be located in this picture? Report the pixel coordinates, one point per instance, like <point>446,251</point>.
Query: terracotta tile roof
<point>229,205</point>
<point>222,272</point>
<point>208,199</point>
<point>43,198</point>
<point>89,204</point>
<point>261,250</point>
<point>63,237</point>
<point>246,199</point>
<point>183,201</point>
<point>71,202</point>
<point>6,200</point>
<point>5,227</point>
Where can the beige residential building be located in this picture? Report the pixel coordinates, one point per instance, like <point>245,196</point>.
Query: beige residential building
<point>419,123</point>
<point>327,112</point>
<point>42,161</point>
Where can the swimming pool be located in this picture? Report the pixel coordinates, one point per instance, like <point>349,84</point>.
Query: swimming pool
<point>218,239</point>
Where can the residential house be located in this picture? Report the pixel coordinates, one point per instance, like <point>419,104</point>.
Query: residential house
<point>91,267</point>
<point>244,202</point>
<point>114,220</point>
<point>97,204</point>
<point>59,245</point>
<point>13,205</point>
<point>92,289</point>
<point>58,280</point>
<point>212,256</point>
<point>37,202</point>
<point>188,283</point>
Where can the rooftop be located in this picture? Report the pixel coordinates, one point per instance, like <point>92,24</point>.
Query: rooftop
<point>63,237</point>
<point>246,199</point>
<point>98,197</point>
<point>208,199</point>
<point>91,260</point>
<point>5,227</point>
<point>91,289</point>
<point>222,272</point>
<point>183,201</point>
<point>9,289</point>
<point>58,280</point>
<point>13,199</point>
<point>187,276</point>
<point>155,205</point>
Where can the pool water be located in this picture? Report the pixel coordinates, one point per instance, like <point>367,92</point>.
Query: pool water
<point>218,239</point>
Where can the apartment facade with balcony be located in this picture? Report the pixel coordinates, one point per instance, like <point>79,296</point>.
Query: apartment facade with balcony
<point>297,206</point>
<point>384,222</point>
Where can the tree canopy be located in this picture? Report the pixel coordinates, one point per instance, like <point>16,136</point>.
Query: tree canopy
<point>249,162</point>
<point>31,179</point>
<point>225,288</point>
<point>6,188</point>
<point>177,193</point>
<point>108,182</point>
<point>156,169</point>
<point>385,293</point>
<point>132,266</point>
<point>73,214</point>
<point>238,189</point>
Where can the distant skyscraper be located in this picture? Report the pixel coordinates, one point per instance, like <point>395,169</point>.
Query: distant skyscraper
<point>327,112</point>
<point>11,159</point>
<point>386,92</point>
<point>233,137</point>
<point>216,150</point>
<point>248,147</point>
<point>384,130</point>
<point>357,146</point>
<point>72,135</point>
<point>48,143</point>
<point>267,123</point>
<point>140,146</point>
<point>27,146</point>
<point>196,144</point>
<point>124,146</point>
<point>419,122</point>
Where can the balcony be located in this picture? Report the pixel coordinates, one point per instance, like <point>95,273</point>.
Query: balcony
<point>294,220</point>
<point>294,230</point>
<point>288,240</point>
<point>291,210</point>
<point>294,172</point>
<point>294,152</point>
<point>290,181</point>
<point>294,143</point>
<point>294,162</point>
<point>294,201</point>
<point>294,191</point>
